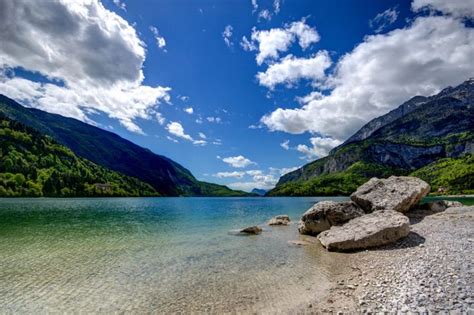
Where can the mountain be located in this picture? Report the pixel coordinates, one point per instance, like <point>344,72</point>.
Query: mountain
<point>259,192</point>
<point>34,165</point>
<point>412,137</point>
<point>111,151</point>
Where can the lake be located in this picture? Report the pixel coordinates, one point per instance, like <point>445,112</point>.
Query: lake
<point>156,254</point>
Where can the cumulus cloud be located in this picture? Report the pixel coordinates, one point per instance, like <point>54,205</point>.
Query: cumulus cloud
<point>189,110</point>
<point>202,136</point>
<point>381,73</point>
<point>238,161</point>
<point>227,35</point>
<point>92,57</point>
<point>382,20</point>
<point>457,8</point>
<point>289,70</point>
<point>160,40</point>
<point>270,43</point>
<point>260,179</point>
<point>320,147</point>
<point>177,130</point>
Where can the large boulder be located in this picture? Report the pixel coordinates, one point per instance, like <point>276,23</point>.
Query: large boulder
<point>325,214</point>
<point>280,220</point>
<point>374,229</point>
<point>399,193</point>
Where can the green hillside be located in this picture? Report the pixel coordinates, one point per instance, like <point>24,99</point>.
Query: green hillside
<point>34,165</point>
<point>113,152</point>
<point>456,175</point>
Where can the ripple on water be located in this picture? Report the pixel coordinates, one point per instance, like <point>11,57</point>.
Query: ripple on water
<point>146,254</point>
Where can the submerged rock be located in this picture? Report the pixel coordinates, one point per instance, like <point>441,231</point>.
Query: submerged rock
<point>440,205</point>
<point>251,230</point>
<point>280,220</point>
<point>325,214</point>
<point>374,229</point>
<point>399,193</point>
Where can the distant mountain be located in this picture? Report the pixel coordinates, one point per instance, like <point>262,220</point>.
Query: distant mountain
<point>259,192</point>
<point>34,165</point>
<point>417,134</point>
<point>115,153</point>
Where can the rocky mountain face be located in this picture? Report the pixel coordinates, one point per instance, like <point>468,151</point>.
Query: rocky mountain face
<point>111,151</point>
<point>416,134</point>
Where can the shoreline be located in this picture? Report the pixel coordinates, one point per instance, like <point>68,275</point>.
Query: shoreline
<point>431,270</point>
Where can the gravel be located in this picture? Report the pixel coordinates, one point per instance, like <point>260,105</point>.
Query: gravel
<point>429,271</point>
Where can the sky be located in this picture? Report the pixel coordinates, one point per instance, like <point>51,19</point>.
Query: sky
<point>238,92</point>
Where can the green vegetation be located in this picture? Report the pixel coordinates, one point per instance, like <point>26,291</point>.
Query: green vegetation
<point>112,152</point>
<point>456,175</point>
<point>340,183</point>
<point>209,189</point>
<point>34,165</point>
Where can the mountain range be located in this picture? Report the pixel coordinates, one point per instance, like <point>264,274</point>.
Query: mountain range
<point>113,152</point>
<point>422,137</point>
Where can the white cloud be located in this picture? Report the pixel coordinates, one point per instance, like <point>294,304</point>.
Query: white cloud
<point>183,98</point>
<point>290,70</point>
<point>265,15</point>
<point>234,174</point>
<point>238,161</point>
<point>381,73</point>
<point>384,19</point>
<point>320,147</point>
<point>202,136</point>
<point>313,96</point>
<point>160,40</point>
<point>274,41</point>
<point>161,120</point>
<point>285,144</point>
<point>200,142</point>
<point>172,139</point>
<point>91,55</point>
<point>276,6</point>
<point>284,170</point>
<point>457,8</point>
<point>214,119</point>
<point>306,35</point>
<point>260,181</point>
<point>175,128</point>
<point>254,5</point>
<point>227,35</point>
<point>189,110</point>
<point>247,45</point>
<point>120,4</point>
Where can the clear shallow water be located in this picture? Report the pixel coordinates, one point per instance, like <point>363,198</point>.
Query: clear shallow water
<point>155,255</point>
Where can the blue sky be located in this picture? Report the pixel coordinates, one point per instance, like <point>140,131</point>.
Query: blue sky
<point>311,73</point>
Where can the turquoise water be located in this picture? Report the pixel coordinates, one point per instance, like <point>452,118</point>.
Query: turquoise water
<point>155,255</point>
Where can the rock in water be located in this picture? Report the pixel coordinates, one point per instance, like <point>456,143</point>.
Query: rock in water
<point>398,193</point>
<point>251,230</point>
<point>280,220</point>
<point>325,214</point>
<point>374,229</point>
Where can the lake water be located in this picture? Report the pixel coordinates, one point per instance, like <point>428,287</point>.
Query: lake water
<point>156,255</point>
